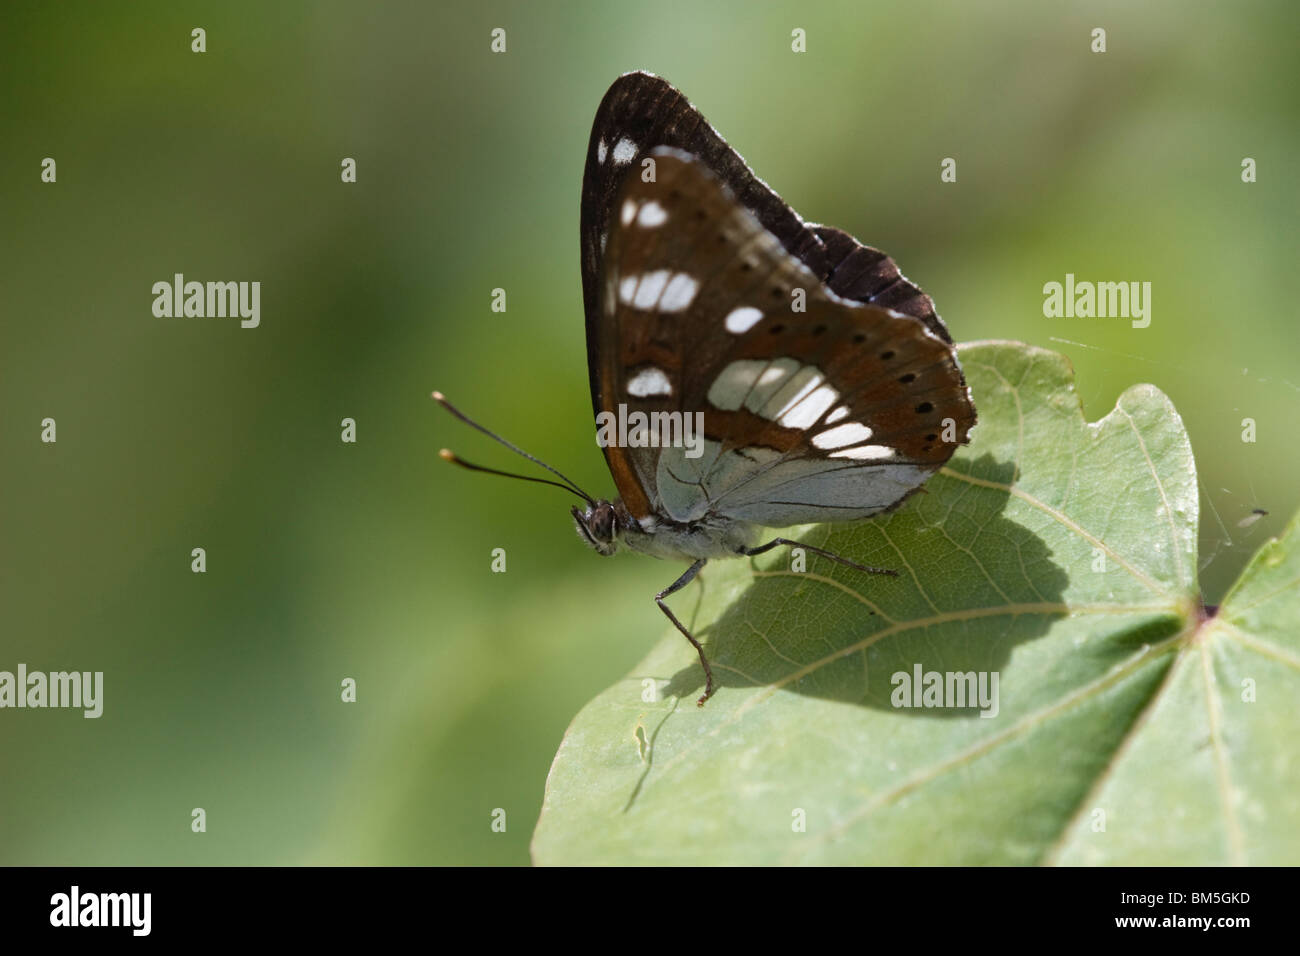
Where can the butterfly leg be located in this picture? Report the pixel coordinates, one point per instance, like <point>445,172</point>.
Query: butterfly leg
<point>677,585</point>
<point>775,542</point>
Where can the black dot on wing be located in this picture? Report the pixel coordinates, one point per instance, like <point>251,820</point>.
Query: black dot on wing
<point>859,339</point>
<point>777,329</point>
<point>886,355</point>
<point>819,330</point>
<point>925,407</point>
<point>931,437</point>
<point>908,378</point>
<point>776,292</point>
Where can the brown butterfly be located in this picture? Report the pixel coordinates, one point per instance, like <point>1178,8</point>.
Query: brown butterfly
<point>748,370</point>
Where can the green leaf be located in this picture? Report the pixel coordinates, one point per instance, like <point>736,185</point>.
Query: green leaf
<point>1130,726</point>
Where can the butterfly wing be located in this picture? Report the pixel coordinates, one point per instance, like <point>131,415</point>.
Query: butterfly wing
<point>641,112</point>
<point>834,411</point>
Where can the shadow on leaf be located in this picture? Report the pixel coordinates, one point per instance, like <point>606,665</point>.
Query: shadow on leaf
<point>971,585</point>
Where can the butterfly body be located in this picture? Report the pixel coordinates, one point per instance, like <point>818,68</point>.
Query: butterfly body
<point>713,536</point>
<point>763,372</point>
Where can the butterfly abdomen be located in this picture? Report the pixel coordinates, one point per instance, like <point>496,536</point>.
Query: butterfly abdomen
<point>710,537</point>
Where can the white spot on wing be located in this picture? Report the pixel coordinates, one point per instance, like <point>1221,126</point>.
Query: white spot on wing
<point>649,381</point>
<point>629,210</point>
<point>841,435</point>
<point>624,151</point>
<point>651,288</point>
<point>795,391</point>
<point>601,150</point>
<point>773,384</point>
<point>652,214</point>
<point>626,289</point>
<point>679,294</point>
<point>800,396</point>
<point>733,383</point>
<point>643,291</point>
<point>741,320</point>
<point>661,289</point>
<point>836,415</point>
<point>808,406</point>
<point>865,452</point>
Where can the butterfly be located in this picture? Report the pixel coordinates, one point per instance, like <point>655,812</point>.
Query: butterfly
<point>748,370</point>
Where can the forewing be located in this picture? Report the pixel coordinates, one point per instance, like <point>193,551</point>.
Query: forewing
<point>815,407</point>
<point>641,112</point>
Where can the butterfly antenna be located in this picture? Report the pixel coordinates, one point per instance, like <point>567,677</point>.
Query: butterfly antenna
<point>448,455</point>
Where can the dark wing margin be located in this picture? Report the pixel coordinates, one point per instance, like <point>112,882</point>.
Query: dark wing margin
<point>864,274</point>
<point>648,112</point>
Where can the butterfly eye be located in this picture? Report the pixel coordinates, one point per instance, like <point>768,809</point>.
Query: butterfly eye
<point>602,522</point>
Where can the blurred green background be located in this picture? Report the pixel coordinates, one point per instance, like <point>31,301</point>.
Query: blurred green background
<point>328,560</point>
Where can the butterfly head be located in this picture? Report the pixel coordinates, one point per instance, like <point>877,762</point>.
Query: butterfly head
<point>598,525</point>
